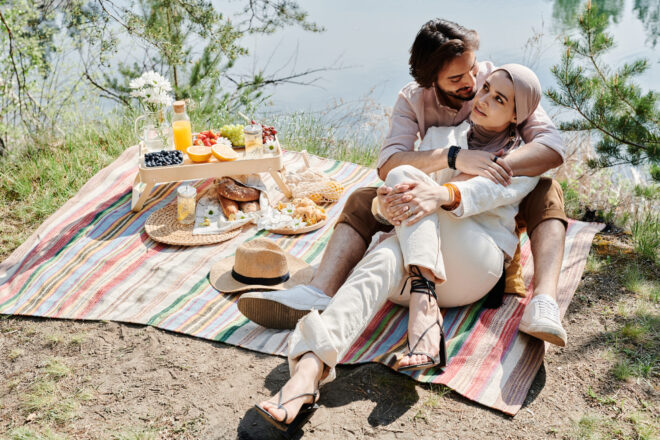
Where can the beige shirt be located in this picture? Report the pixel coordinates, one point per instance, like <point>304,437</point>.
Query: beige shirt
<point>416,109</point>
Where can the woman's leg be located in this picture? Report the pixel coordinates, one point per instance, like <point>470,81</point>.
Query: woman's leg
<point>323,339</point>
<point>473,264</point>
<point>305,378</point>
<point>420,243</point>
<point>421,248</point>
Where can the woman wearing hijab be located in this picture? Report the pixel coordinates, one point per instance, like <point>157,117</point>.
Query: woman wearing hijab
<point>452,257</point>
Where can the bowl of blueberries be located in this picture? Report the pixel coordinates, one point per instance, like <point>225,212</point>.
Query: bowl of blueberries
<point>163,158</point>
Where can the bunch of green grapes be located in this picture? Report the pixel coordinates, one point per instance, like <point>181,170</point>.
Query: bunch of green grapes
<point>233,132</point>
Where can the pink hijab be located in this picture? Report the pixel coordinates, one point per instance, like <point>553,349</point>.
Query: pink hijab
<point>527,95</point>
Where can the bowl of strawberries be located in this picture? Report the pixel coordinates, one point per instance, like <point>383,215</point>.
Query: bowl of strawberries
<point>210,138</point>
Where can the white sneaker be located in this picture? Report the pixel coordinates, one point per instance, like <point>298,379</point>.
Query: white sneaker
<point>281,309</point>
<point>541,320</point>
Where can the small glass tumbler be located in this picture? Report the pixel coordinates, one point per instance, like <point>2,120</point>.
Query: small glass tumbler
<point>253,141</point>
<point>185,204</point>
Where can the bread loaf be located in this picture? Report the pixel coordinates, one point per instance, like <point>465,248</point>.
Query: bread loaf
<point>249,206</point>
<point>229,189</point>
<point>229,207</point>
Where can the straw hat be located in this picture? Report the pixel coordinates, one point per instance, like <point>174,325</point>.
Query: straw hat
<point>259,264</point>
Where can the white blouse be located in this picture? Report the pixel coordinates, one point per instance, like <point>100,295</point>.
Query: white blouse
<point>491,205</point>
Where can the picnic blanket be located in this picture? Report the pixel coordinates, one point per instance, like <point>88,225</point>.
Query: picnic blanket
<point>92,260</point>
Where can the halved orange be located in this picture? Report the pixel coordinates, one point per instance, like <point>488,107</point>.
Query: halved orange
<point>223,152</point>
<point>199,153</point>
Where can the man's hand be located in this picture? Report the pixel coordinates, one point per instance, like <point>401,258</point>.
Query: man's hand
<point>480,163</point>
<point>462,177</point>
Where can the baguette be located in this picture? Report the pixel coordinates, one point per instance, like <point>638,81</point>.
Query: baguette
<point>229,207</point>
<point>226,187</point>
<point>249,206</point>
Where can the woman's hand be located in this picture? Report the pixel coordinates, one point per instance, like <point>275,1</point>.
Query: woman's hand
<point>412,201</point>
<point>480,163</point>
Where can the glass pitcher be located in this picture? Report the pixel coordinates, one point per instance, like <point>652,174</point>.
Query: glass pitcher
<point>154,131</point>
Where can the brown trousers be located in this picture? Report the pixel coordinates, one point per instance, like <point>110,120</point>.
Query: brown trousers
<point>545,202</point>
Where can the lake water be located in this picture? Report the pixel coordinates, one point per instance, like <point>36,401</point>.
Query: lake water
<point>368,42</point>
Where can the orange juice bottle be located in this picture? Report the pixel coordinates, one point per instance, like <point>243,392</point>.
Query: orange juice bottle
<point>181,126</point>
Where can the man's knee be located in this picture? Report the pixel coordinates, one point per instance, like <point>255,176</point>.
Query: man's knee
<point>545,202</point>
<point>357,214</point>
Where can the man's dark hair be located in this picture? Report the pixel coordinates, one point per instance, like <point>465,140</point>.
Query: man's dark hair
<point>437,42</point>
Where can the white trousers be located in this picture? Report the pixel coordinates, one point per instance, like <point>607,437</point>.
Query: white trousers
<point>457,250</point>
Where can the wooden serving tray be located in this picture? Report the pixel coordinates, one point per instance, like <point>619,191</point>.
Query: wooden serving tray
<point>147,177</point>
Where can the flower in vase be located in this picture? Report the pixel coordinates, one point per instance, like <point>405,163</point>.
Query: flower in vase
<point>152,89</point>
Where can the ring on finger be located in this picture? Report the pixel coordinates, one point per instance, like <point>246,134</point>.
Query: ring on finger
<point>494,159</point>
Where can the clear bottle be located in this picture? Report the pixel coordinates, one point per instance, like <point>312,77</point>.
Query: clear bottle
<point>253,141</point>
<point>185,204</point>
<point>181,127</point>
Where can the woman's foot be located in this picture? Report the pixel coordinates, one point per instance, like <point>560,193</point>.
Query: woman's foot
<point>423,313</point>
<point>305,379</point>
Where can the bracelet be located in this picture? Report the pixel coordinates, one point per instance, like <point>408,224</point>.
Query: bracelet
<point>455,196</point>
<point>452,155</point>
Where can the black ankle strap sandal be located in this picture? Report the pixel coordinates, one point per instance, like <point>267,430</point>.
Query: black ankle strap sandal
<point>419,284</point>
<point>303,416</point>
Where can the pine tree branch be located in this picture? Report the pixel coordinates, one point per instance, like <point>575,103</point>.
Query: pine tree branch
<point>600,73</point>
<point>114,96</point>
<point>598,127</point>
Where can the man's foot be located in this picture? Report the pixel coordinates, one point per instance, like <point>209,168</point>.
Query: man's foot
<point>541,320</point>
<point>423,319</point>
<point>284,406</point>
<point>281,309</point>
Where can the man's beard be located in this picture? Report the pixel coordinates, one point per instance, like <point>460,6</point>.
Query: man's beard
<point>462,97</point>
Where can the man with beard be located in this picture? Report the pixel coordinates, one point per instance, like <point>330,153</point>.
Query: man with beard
<point>447,76</point>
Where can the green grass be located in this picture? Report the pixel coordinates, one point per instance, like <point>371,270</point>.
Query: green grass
<point>35,180</point>
<point>142,434</point>
<point>14,354</point>
<point>637,345</point>
<point>77,339</point>
<point>645,231</point>
<point>595,263</point>
<point>56,369</point>
<point>24,433</point>
<point>572,205</point>
<point>53,340</point>
<point>636,281</point>
<point>43,402</point>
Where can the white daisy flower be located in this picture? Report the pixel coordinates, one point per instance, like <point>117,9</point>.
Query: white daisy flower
<point>223,140</point>
<point>270,147</point>
<point>297,223</point>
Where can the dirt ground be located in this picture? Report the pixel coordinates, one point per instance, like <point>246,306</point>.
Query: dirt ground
<point>89,380</point>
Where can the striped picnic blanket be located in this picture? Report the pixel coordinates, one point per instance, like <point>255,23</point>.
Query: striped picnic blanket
<point>93,260</point>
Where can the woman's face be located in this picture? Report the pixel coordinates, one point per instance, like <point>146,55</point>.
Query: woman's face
<point>494,106</point>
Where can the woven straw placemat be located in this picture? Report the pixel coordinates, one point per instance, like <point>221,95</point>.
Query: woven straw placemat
<point>162,226</point>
